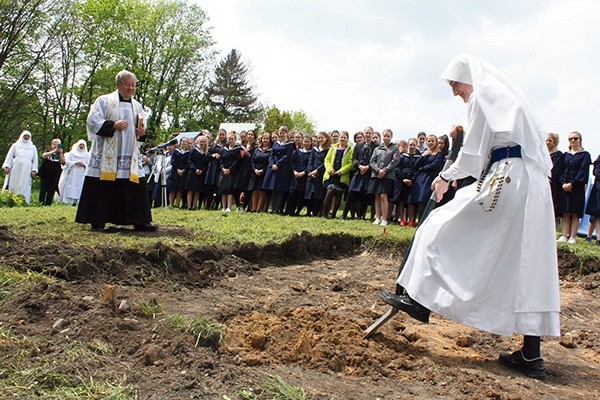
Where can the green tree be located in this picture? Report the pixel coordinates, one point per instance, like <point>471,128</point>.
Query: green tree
<point>57,56</point>
<point>164,43</point>
<point>172,61</point>
<point>26,39</point>
<point>229,95</point>
<point>303,123</point>
<point>294,120</point>
<point>274,118</point>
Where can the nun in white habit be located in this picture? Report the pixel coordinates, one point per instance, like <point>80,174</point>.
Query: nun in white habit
<point>487,258</point>
<point>73,175</point>
<point>20,165</point>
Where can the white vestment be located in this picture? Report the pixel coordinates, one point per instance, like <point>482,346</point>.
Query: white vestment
<point>127,149</point>
<point>22,159</point>
<point>495,270</point>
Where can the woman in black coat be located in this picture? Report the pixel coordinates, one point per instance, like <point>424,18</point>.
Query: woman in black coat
<point>300,159</point>
<point>242,182</point>
<point>405,173</point>
<point>593,204</point>
<point>558,166</point>
<point>428,167</point>
<point>197,166</point>
<point>574,180</point>
<point>230,161</point>
<point>178,175</point>
<point>259,164</point>
<point>279,173</point>
<point>315,191</point>
<point>212,173</point>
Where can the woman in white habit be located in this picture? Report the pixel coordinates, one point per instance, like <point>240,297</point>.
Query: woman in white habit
<point>73,175</point>
<point>487,258</point>
<point>20,165</point>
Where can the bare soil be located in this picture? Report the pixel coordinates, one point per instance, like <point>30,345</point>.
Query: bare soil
<point>295,310</point>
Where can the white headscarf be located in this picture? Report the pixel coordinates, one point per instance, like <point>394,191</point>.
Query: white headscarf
<point>75,150</point>
<point>504,106</point>
<point>22,143</point>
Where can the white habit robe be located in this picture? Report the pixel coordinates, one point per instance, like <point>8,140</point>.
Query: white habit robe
<point>22,159</point>
<point>494,270</point>
<point>71,179</point>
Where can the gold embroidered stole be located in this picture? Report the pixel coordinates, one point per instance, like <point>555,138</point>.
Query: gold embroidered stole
<point>108,164</point>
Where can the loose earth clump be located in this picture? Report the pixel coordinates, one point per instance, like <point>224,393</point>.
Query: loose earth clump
<point>149,320</point>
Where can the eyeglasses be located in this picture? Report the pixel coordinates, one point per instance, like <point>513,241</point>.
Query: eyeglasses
<point>573,138</point>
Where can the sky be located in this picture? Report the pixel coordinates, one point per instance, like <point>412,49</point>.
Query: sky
<point>353,63</point>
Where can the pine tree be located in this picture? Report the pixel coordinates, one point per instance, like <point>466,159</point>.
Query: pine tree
<point>229,94</point>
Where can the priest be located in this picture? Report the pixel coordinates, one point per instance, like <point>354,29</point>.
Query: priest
<point>114,189</point>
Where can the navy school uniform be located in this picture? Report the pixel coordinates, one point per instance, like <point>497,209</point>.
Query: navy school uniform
<point>230,159</point>
<point>428,167</point>
<point>295,200</point>
<point>176,183</point>
<point>558,166</point>
<point>259,161</point>
<point>314,186</point>
<point>212,173</point>
<point>281,155</point>
<point>245,171</point>
<point>197,161</point>
<point>361,156</point>
<point>576,172</point>
<point>593,203</point>
<point>406,169</point>
<point>300,160</point>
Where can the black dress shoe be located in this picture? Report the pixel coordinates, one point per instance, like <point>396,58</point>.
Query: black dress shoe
<point>532,368</point>
<point>145,228</point>
<point>98,227</point>
<point>406,304</point>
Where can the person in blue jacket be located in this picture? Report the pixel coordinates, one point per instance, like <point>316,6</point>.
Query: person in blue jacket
<point>212,173</point>
<point>428,167</point>
<point>315,191</point>
<point>229,163</point>
<point>178,175</point>
<point>279,173</point>
<point>259,163</point>
<point>405,173</point>
<point>197,165</point>
<point>300,160</point>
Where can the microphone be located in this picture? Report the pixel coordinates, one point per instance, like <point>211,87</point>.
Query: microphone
<point>162,146</point>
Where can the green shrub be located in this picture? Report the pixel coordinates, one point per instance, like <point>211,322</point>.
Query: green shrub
<point>9,199</point>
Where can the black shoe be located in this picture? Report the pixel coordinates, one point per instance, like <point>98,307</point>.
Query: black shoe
<point>145,228</point>
<point>532,368</point>
<point>406,304</point>
<point>98,227</point>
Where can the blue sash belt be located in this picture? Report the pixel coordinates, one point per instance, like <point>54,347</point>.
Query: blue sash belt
<point>505,152</point>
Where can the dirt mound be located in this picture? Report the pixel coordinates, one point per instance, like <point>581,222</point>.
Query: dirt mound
<point>296,309</point>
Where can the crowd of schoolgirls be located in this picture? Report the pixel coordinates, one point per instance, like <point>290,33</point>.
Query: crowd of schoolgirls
<point>326,175</point>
